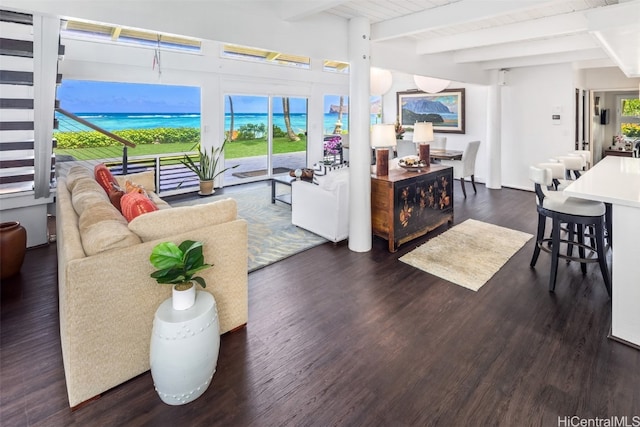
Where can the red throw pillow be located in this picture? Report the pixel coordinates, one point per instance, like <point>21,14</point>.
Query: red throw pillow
<point>135,204</point>
<point>104,177</point>
<point>115,194</point>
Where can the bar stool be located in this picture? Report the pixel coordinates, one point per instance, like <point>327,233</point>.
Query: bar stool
<point>572,163</point>
<point>572,211</point>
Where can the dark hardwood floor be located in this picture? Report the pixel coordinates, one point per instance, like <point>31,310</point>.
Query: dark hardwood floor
<point>338,338</point>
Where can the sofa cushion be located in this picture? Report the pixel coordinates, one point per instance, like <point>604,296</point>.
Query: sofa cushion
<point>86,191</point>
<point>168,222</point>
<point>130,187</point>
<point>103,228</point>
<point>75,173</point>
<point>161,204</point>
<point>134,204</point>
<point>146,179</point>
<point>332,178</point>
<point>103,177</point>
<point>320,170</point>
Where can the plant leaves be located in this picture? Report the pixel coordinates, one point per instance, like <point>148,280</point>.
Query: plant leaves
<point>200,281</point>
<point>165,255</point>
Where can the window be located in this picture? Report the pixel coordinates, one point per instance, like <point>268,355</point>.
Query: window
<point>265,56</point>
<point>629,116</point>
<point>117,34</point>
<point>335,66</point>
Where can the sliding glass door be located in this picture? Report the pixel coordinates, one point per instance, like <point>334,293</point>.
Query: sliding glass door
<point>266,136</point>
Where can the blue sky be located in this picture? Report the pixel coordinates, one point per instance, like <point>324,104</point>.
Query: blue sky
<point>80,96</point>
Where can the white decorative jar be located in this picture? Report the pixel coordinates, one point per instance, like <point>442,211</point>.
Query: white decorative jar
<point>184,349</point>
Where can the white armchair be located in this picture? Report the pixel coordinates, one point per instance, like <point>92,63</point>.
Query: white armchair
<point>465,167</point>
<point>323,209</point>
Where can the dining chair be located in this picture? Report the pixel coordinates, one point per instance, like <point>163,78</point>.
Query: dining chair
<point>439,143</point>
<point>466,166</point>
<point>406,147</point>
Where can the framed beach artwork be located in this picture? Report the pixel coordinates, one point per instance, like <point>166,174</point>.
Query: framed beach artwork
<point>444,109</point>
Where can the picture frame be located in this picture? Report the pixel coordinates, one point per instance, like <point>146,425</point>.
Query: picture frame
<point>445,109</point>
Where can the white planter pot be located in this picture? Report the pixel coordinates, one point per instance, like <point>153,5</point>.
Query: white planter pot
<point>182,300</point>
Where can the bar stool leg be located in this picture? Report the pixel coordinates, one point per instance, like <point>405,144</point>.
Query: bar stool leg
<point>601,256</point>
<point>608,219</point>
<point>539,237</point>
<point>555,251</point>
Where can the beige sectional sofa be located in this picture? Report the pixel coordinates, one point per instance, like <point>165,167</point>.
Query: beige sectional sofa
<point>108,300</point>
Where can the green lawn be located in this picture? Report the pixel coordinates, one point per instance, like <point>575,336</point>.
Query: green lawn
<point>233,149</point>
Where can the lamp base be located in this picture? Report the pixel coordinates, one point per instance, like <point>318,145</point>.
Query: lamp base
<point>382,161</point>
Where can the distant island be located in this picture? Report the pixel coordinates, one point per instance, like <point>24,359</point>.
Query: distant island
<point>335,109</point>
<point>423,110</point>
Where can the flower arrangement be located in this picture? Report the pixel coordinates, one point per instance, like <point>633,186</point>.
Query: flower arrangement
<point>618,139</point>
<point>332,145</point>
<point>399,130</point>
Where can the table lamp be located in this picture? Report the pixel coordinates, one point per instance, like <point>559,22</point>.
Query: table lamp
<point>422,135</point>
<point>383,137</point>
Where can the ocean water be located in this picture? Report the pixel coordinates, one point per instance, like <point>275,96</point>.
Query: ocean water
<point>120,121</point>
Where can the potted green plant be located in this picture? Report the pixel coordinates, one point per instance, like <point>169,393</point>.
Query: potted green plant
<point>177,265</point>
<point>205,167</point>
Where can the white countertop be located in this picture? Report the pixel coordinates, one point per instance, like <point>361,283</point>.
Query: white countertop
<point>613,179</point>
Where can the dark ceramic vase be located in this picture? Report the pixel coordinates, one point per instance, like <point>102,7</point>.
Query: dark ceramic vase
<point>13,244</point>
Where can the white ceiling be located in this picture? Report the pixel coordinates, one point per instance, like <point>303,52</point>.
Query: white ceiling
<point>497,34</point>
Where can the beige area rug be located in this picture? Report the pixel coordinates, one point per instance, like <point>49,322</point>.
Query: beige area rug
<point>468,254</point>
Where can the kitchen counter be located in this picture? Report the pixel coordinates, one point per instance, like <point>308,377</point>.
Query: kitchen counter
<point>616,180</point>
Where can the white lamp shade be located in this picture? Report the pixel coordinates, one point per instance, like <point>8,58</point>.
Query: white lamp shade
<point>380,82</point>
<point>430,84</point>
<point>383,135</point>
<point>423,132</point>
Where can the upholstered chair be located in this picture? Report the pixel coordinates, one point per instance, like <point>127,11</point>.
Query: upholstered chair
<point>466,166</point>
<point>406,147</point>
<point>439,143</point>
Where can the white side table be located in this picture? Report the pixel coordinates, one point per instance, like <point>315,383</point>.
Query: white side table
<point>184,349</point>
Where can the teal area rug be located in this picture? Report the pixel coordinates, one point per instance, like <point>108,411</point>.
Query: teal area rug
<point>272,237</point>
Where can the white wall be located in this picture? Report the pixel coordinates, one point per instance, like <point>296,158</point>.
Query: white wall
<point>475,123</point>
<point>529,135</point>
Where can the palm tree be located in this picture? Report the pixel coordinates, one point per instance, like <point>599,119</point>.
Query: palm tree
<point>287,120</point>
<point>231,124</point>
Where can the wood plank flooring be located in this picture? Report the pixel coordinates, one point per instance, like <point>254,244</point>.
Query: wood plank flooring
<point>338,338</point>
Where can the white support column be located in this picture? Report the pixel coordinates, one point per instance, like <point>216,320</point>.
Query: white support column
<point>359,145</point>
<point>494,132</point>
<point>46,36</point>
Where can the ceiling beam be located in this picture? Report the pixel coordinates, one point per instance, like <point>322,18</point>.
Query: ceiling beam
<point>537,60</point>
<point>528,48</point>
<point>617,30</point>
<point>296,10</point>
<point>552,26</point>
<point>451,14</point>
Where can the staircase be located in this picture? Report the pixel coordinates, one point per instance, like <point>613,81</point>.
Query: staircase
<point>17,147</point>
<point>29,53</point>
